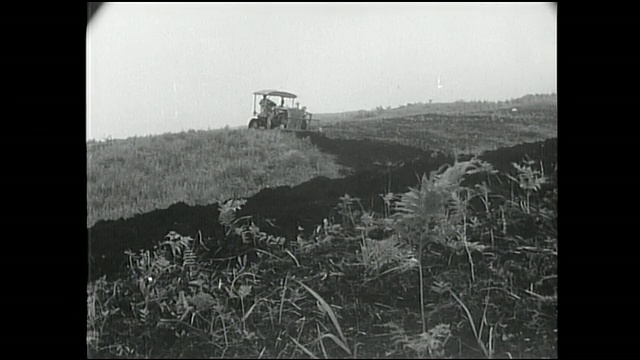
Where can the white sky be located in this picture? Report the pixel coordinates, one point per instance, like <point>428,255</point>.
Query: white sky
<point>167,67</point>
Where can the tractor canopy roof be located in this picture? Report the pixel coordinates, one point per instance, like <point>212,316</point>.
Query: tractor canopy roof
<point>283,94</point>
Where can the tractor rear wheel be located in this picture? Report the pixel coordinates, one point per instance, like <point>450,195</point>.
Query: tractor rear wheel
<point>253,124</point>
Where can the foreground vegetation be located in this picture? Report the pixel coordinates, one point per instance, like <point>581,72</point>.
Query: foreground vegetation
<point>447,270</point>
<point>137,175</point>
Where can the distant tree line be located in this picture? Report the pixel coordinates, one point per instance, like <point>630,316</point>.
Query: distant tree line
<point>458,106</point>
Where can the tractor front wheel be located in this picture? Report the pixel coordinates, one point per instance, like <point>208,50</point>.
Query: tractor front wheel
<point>253,124</point>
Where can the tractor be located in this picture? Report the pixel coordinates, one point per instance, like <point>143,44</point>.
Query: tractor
<point>280,115</point>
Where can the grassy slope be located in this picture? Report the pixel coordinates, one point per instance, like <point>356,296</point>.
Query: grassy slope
<point>141,174</point>
<point>469,133</point>
<point>526,102</point>
<point>137,175</point>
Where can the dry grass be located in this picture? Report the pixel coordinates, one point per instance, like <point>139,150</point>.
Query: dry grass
<point>140,174</point>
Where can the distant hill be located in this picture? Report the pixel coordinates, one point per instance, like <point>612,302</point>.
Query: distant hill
<point>544,102</point>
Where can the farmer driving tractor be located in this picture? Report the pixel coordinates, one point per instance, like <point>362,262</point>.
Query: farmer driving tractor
<point>275,114</point>
<point>266,109</point>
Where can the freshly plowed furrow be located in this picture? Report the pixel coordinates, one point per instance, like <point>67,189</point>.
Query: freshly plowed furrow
<point>379,167</point>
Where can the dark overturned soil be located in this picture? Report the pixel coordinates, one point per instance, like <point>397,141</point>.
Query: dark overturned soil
<point>378,168</point>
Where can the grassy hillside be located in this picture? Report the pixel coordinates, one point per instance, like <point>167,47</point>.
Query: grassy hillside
<point>544,102</point>
<point>137,175</point>
<point>126,177</point>
<point>462,133</point>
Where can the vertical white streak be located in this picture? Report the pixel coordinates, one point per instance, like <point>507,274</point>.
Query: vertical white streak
<point>88,84</point>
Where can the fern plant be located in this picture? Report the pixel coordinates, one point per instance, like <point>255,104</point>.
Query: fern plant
<point>436,211</point>
<point>381,257</point>
<point>528,179</point>
<point>228,211</point>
